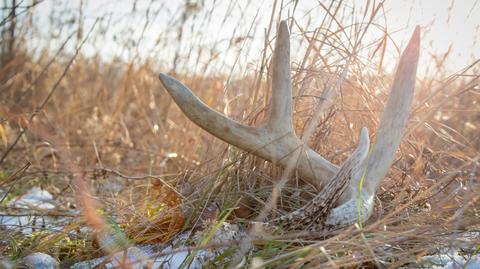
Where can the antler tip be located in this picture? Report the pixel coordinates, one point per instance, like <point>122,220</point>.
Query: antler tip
<point>409,59</point>
<point>417,31</point>
<point>414,43</point>
<point>364,132</point>
<point>364,139</point>
<point>163,77</point>
<point>167,81</point>
<point>283,30</point>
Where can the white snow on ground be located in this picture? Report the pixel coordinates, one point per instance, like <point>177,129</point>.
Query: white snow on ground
<point>450,258</point>
<point>451,261</point>
<point>35,198</point>
<point>172,255</point>
<point>20,220</point>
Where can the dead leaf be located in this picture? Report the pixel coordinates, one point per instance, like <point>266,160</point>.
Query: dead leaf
<point>156,214</point>
<point>3,135</point>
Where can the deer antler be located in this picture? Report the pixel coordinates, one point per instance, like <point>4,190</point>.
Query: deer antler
<point>276,140</point>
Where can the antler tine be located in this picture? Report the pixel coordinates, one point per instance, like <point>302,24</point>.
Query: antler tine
<point>395,116</point>
<point>359,202</point>
<point>280,116</point>
<point>210,120</point>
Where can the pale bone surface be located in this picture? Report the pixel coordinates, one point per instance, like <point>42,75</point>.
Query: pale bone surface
<point>276,140</point>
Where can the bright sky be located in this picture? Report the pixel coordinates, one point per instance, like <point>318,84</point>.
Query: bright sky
<point>445,23</point>
<point>448,23</point>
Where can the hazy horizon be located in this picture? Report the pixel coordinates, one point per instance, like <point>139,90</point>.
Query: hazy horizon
<point>446,25</point>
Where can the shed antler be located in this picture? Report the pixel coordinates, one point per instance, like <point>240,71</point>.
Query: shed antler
<point>276,140</point>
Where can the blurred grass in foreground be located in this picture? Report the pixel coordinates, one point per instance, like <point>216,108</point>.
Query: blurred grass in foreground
<point>116,122</point>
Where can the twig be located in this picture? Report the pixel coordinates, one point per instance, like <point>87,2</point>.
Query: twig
<point>46,214</point>
<point>12,15</point>
<point>142,178</point>
<point>15,176</point>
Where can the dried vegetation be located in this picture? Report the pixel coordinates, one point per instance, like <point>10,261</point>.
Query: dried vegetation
<point>67,117</point>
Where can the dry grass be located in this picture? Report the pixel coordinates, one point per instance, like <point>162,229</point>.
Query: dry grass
<point>120,127</point>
